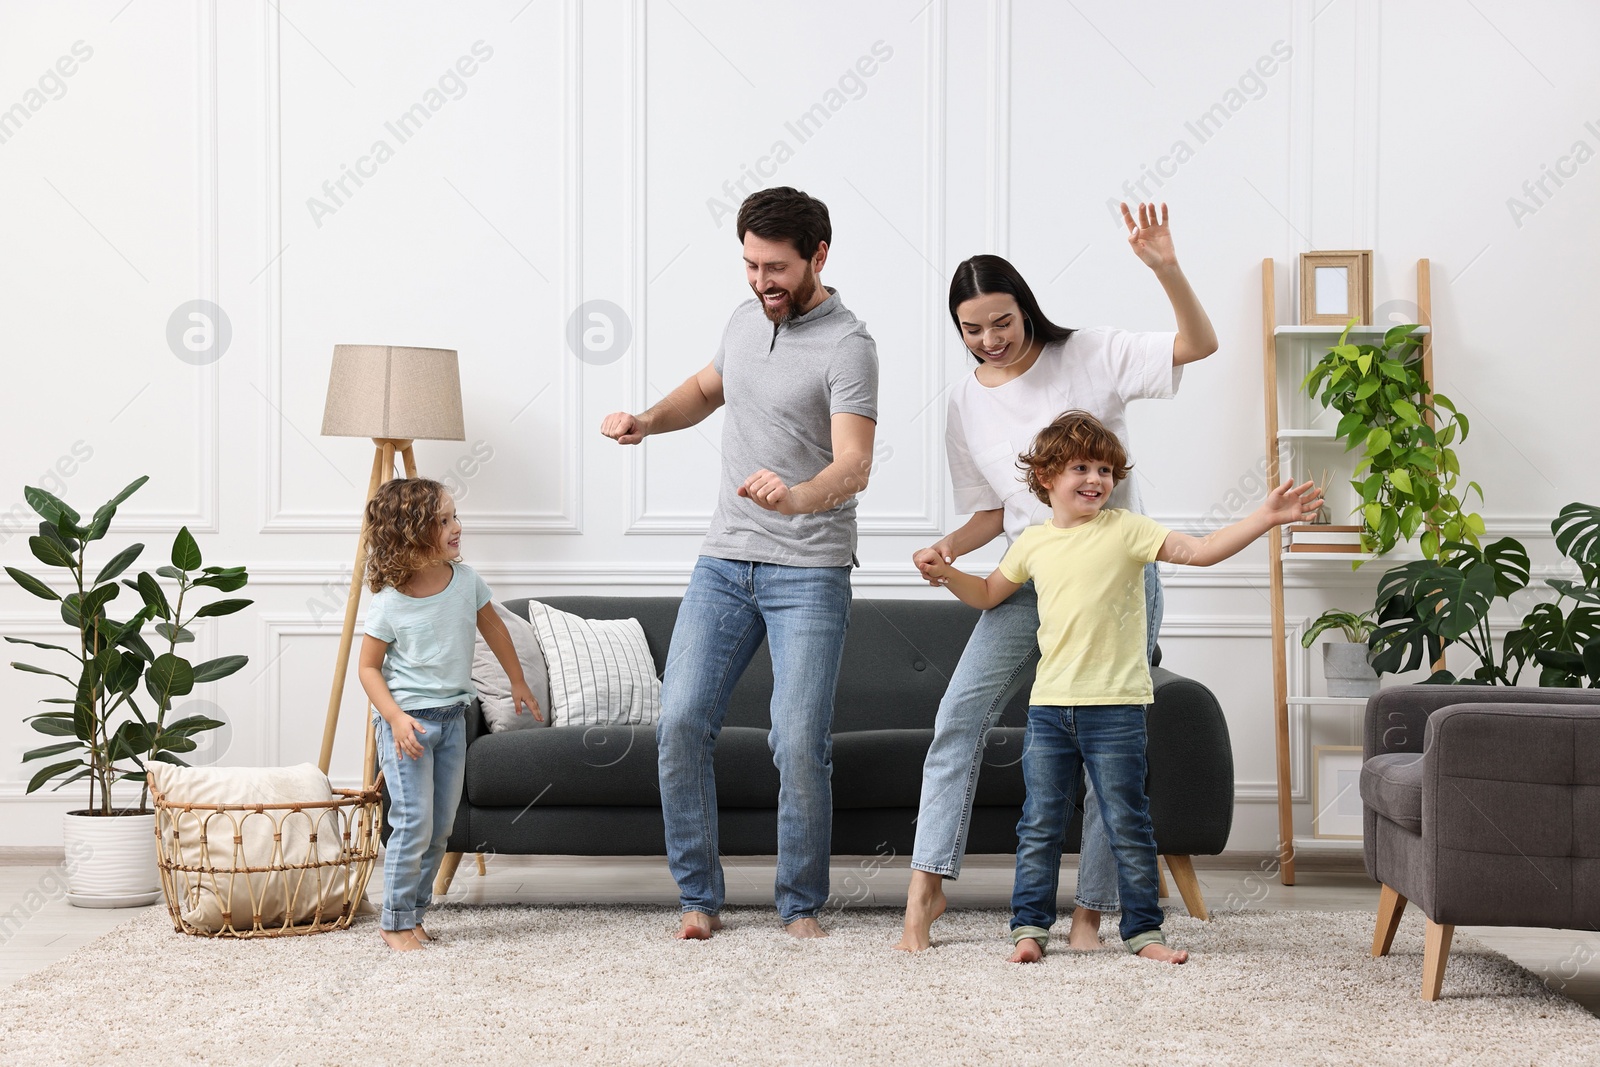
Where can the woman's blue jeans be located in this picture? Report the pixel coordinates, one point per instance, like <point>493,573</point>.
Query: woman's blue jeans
<point>1108,741</point>
<point>729,607</point>
<point>423,795</point>
<point>1003,645</point>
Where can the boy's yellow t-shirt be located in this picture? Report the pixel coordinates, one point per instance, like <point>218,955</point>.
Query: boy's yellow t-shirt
<point>1092,630</point>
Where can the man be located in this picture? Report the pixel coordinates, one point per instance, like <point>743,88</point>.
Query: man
<point>799,376</point>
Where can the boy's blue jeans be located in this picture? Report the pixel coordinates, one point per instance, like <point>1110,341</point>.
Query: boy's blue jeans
<point>423,794</point>
<point>728,608</point>
<point>1002,646</point>
<point>1109,740</point>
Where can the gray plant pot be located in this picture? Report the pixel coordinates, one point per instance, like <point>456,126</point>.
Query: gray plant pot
<point>1345,667</point>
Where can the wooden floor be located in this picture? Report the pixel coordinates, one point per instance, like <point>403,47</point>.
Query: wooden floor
<point>36,930</point>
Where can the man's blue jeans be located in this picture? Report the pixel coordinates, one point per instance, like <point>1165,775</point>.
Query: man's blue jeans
<point>1002,646</point>
<point>728,608</point>
<point>423,795</point>
<point>1109,742</point>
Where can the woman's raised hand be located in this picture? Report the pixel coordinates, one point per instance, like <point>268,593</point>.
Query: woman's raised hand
<point>1149,236</point>
<point>927,559</point>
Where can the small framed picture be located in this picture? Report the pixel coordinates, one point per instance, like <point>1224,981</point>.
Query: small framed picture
<point>1336,792</point>
<point>1336,287</point>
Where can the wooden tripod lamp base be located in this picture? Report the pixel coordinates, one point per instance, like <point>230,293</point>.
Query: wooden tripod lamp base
<point>394,396</point>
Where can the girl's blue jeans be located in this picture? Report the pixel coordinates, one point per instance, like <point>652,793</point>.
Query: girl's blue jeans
<point>423,794</point>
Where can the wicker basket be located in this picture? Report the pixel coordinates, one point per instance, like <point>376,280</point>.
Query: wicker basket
<point>300,888</point>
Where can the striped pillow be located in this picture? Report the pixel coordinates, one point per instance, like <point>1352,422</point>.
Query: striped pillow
<point>601,670</point>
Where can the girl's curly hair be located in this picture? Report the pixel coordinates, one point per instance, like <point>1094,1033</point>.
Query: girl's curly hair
<point>1075,435</point>
<point>402,530</point>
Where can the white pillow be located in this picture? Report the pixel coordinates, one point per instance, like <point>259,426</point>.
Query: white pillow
<point>601,671</point>
<point>494,686</point>
<point>309,836</point>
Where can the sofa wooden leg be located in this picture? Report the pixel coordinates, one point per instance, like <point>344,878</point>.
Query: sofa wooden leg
<point>483,868</point>
<point>1182,868</point>
<point>1434,956</point>
<point>1390,907</point>
<point>1161,882</point>
<point>447,873</point>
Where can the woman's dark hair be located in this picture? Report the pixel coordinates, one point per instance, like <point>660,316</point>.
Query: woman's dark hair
<point>982,275</point>
<point>785,214</point>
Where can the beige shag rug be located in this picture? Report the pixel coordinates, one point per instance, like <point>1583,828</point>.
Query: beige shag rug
<point>571,985</point>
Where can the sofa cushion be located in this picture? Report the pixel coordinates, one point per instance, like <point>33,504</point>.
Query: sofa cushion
<point>601,670</point>
<point>1391,785</point>
<point>494,685</point>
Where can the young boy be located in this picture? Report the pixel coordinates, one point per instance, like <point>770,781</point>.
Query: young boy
<point>1087,705</point>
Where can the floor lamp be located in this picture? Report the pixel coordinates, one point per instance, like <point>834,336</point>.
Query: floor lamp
<point>394,396</point>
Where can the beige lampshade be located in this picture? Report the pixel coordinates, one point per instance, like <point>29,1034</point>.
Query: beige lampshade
<point>389,391</point>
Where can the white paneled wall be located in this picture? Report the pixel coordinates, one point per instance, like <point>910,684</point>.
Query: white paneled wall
<point>470,176</point>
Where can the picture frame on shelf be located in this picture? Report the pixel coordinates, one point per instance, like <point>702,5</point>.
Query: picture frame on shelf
<point>1336,287</point>
<point>1336,812</point>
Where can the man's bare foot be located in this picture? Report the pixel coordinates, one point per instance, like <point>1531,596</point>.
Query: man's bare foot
<point>400,940</point>
<point>423,935</point>
<point>925,902</point>
<point>1156,951</point>
<point>1028,951</point>
<point>1084,933</point>
<point>805,928</point>
<point>697,926</point>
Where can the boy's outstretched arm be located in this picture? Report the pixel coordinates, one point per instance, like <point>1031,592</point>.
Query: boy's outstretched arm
<point>1287,503</point>
<point>982,593</point>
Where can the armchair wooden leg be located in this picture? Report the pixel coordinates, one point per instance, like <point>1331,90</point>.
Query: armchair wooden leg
<point>447,872</point>
<point>1161,882</point>
<point>1390,907</point>
<point>1434,956</point>
<point>1182,868</point>
<point>482,868</point>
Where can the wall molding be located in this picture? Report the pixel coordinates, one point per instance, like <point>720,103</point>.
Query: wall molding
<point>276,519</point>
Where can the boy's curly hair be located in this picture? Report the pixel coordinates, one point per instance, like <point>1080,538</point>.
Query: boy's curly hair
<point>1075,435</point>
<point>402,530</point>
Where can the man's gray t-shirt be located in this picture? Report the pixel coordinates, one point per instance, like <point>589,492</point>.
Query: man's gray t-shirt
<point>782,386</point>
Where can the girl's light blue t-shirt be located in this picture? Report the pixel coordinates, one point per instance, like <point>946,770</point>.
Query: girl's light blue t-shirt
<point>431,640</point>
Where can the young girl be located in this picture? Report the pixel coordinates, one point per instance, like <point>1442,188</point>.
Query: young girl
<point>416,666</point>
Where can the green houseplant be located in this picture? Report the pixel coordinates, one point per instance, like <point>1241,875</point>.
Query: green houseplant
<point>1408,475</point>
<point>1344,663</point>
<point>108,730</point>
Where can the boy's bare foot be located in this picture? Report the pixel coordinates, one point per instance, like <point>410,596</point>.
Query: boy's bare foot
<point>1164,954</point>
<point>400,940</point>
<point>925,902</point>
<point>1084,933</point>
<point>423,935</point>
<point>697,926</point>
<point>805,929</point>
<point>1028,951</point>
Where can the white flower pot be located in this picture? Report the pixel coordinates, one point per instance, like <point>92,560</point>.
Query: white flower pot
<point>111,860</point>
<point>1345,667</point>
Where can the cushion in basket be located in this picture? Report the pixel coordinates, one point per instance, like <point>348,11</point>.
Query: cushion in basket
<point>601,671</point>
<point>211,901</point>
<point>494,686</point>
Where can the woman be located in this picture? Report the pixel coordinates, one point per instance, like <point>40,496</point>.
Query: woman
<point>1029,371</point>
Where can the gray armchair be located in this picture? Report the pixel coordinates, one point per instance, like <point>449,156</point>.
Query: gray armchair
<point>1483,809</point>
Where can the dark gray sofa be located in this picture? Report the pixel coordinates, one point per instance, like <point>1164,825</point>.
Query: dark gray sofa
<point>1482,807</point>
<point>593,790</point>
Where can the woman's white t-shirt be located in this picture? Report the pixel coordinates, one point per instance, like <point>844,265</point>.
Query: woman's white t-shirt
<point>1095,370</point>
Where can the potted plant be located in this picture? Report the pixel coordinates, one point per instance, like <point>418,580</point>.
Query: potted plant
<point>106,737</point>
<point>1344,663</point>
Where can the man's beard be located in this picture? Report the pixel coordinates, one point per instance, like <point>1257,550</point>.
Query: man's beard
<point>802,295</point>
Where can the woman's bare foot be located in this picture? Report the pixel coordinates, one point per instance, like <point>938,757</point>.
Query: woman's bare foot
<point>1084,933</point>
<point>805,928</point>
<point>697,926</point>
<point>1161,952</point>
<point>423,935</point>
<point>1028,951</point>
<point>400,940</point>
<point>925,902</point>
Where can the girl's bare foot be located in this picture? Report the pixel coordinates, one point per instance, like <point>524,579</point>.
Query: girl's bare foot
<point>1028,951</point>
<point>697,926</point>
<point>1164,954</point>
<point>423,935</point>
<point>805,928</point>
<point>400,940</point>
<point>925,902</point>
<point>1084,934</point>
